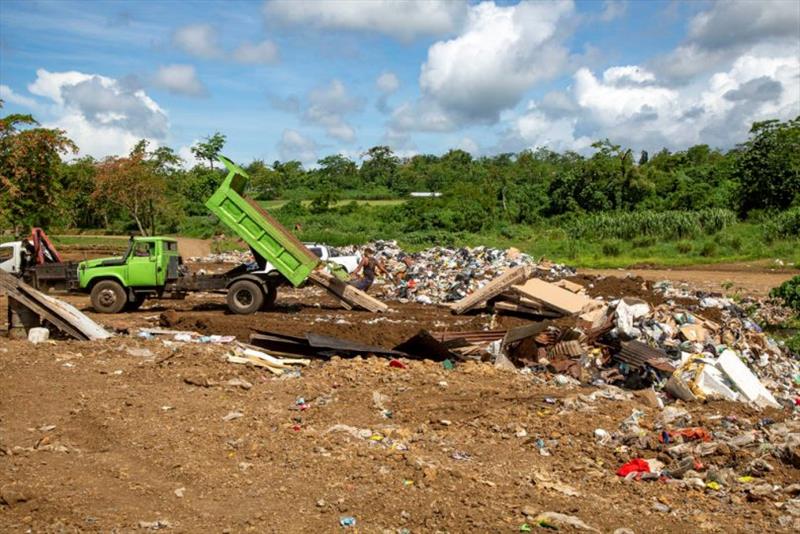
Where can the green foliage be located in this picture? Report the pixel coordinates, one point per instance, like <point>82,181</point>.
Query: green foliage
<point>768,166</point>
<point>612,248</point>
<point>784,225</point>
<point>209,148</point>
<point>789,293</point>
<point>793,344</point>
<point>637,224</point>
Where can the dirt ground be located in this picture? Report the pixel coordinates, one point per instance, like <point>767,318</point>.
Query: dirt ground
<point>118,436</point>
<point>748,278</point>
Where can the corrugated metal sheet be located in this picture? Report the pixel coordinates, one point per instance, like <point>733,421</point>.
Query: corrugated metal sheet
<point>637,354</point>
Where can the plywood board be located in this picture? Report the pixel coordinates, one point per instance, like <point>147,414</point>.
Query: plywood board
<point>552,296</point>
<point>346,292</point>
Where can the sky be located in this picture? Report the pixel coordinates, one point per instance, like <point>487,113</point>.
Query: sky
<point>300,80</point>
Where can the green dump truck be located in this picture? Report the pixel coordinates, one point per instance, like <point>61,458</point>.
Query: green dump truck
<point>153,268</point>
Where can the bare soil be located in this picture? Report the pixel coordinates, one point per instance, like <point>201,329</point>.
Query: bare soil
<point>100,436</point>
<point>747,278</point>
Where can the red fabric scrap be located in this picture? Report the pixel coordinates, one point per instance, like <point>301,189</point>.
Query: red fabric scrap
<point>637,465</point>
<point>689,434</point>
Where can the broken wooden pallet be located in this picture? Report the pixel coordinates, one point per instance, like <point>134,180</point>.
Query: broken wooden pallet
<point>347,293</point>
<point>63,316</point>
<point>492,289</point>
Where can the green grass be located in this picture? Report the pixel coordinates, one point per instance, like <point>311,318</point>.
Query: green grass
<point>737,242</point>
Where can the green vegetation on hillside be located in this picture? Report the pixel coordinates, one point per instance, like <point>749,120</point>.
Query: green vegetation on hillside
<point>612,207</point>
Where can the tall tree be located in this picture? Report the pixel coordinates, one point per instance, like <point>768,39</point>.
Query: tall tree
<point>768,166</point>
<point>29,169</point>
<point>132,184</point>
<point>209,148</point>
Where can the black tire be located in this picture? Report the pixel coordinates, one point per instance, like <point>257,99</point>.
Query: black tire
<point>135,304</point>
<point>245,297</point>
<point>270,296</point>
<point>108,297</point>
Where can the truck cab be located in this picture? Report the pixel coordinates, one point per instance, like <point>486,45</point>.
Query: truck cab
<point>143,270</point>
<point>11,257</point>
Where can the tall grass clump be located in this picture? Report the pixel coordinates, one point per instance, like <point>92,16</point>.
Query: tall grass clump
<point>655,224</point>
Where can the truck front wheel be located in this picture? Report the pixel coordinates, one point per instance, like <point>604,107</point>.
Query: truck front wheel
<point>245,297</point>
<point>108,297</point>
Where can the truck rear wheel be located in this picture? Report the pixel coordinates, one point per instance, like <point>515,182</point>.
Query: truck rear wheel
<point>108,297</point>
<point>245,297</point>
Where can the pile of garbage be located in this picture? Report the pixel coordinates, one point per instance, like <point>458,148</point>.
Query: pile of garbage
<point>232,256</point>
<point>675,350</point>
<point>440,274</point>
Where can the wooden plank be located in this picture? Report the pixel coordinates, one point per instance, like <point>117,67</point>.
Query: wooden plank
<point>492,289</point>
<point>519,308</point>
<point>346,292</point>
<point>11,289</point>
<point>63,316</point>
<point>552,296</point>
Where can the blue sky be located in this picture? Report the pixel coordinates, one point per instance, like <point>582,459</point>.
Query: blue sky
<point>301,80</point>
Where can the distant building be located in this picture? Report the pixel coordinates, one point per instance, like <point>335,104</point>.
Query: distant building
<point>423,194</point>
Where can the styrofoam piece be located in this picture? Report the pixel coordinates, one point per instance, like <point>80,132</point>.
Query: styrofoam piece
<point>38,335</point>
<point>712,383</point>
<point>744,380</point>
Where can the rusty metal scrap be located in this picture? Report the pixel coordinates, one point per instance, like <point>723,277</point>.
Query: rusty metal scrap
<point>638,354</point>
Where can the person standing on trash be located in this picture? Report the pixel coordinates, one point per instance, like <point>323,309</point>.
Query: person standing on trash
<point>369,265</point>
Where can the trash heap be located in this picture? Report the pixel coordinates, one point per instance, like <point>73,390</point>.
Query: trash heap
<point>675,349</point>
<point>440,274</point>
<point>233,256</point>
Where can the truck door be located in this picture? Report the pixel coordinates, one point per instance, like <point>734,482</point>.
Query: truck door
<point>10,255</point>
<point>142,265</point>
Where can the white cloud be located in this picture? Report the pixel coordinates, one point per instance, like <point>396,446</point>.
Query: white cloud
<point>295,146</point>
<point>387,82</point>
<point>499,55</point>
<point>402,19</point>
<point>717,110</point>
<point>199,40</point>
<point>727,30</point>
<point>179,79</point>
<point>265,52</point>
<point>327,107</point>
<point>8,95</point>
<point>188,157</point>
<point>102,115</point>
<point>467,144</point>
<point>613,9</point>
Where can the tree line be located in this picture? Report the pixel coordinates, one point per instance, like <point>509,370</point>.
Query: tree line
<point>150,191</point>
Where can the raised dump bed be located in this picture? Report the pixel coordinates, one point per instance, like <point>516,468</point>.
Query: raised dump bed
<point>260,230</point>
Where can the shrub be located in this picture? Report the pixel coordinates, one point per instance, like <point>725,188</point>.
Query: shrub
<point>789,293</point>
<point>612,248</point>
<point>708,249</point>
<point>644,242</point>
<point>684,247</point>
<point>785,225</point>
